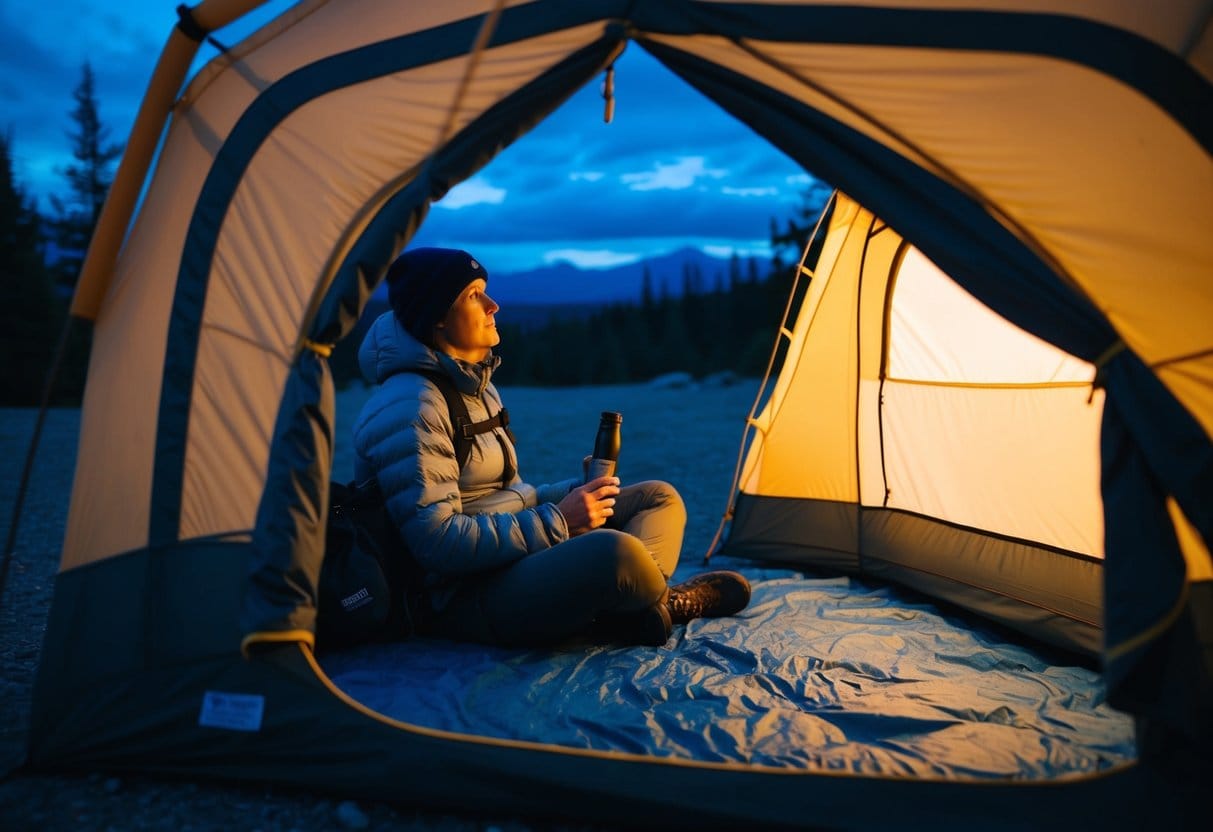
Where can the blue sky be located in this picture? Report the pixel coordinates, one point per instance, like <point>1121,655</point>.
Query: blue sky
<point>671,170</point>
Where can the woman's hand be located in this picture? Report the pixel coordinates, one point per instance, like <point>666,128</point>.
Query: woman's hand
<point>588,506</point>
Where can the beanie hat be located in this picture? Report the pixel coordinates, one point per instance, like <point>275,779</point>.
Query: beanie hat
<point>424,282</point>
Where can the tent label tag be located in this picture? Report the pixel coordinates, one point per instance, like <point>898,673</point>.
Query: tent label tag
<point>234,711</point>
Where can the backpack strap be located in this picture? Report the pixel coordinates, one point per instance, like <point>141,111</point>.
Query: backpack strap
<point>465,429</point>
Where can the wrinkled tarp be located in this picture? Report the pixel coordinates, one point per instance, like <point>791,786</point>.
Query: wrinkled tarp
<point>819,673</point>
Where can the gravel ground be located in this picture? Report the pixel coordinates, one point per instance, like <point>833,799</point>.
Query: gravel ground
<point>655,423</point>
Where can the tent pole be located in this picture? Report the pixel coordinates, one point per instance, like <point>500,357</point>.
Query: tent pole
<point>783,332</point>
<point>116,214</point>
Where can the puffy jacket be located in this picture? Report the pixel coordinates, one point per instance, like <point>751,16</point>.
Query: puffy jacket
<point>454,522</point>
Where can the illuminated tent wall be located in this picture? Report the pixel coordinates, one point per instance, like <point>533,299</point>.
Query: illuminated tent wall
<point>915,435</point>
<point>1052,157</point>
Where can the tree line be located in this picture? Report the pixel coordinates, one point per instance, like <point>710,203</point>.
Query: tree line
<point>726,322</point>
<point>41,256</point>
<point>719,322</point>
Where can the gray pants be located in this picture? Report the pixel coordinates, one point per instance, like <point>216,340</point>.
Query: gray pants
<point>554,594</point>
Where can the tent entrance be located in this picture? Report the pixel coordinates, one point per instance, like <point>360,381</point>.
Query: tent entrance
<point>913,434</point>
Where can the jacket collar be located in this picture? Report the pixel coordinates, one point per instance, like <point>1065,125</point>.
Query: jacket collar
<point>469,378</point>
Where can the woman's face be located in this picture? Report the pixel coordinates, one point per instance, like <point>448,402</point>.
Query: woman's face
<point>469,331</point>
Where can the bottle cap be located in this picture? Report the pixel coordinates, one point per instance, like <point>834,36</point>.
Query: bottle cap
<point>611,416</point>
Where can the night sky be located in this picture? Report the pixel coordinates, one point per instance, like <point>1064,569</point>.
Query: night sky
<point>671,170</point>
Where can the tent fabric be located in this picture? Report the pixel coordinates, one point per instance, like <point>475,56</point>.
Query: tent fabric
<point>997,281</point>
<point>896,442</point>
<point>914,212</point>
<point>1053,159</point>
<point>999,578</point>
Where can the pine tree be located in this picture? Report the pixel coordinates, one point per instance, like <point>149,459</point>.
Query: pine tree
<point>607,352</point>
<point>29,314</point>
<point>735,270</point>
<point>647,299</point>
<point>637,348</point>
<point>88,180</point>
<point>675,351</point>
<point>789,243</point>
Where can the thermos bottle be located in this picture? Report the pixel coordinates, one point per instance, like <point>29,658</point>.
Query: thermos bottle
<point>606,446</point>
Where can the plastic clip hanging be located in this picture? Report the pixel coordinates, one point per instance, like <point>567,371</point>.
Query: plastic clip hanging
<point>608,94</point>
<point>1101,363</point>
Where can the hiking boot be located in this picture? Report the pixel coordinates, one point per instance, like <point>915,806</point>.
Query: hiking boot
<point>708,595</point>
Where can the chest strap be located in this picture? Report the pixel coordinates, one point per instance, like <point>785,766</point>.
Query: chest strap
<point>465,430</point>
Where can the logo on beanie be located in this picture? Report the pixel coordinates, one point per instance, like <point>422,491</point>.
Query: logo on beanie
<point>474,264</point>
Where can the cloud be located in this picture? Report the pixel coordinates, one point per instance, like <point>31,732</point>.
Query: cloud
<point>766,190</point>
<point>591,258</point>
<point>673,177</point>
<point>742,248</point>
<point>586,176</point>
<point>514,257</point>
<point>474,191</point>
<point>602,209</point>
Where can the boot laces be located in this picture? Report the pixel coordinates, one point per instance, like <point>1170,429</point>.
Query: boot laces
<point>691,603</point>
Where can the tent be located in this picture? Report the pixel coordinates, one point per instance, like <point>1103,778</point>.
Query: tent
<point>1052,158</point>
<point>917,436</point>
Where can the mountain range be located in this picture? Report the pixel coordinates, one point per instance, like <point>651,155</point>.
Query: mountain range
<point>562,289</point>
<point>563,283</point>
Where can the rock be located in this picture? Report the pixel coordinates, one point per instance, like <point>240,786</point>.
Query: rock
<point>672,381</point>
<point>724,378</point>
<point>350,816</point>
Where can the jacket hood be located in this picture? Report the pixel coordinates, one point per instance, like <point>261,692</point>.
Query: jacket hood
<point>388,349</point>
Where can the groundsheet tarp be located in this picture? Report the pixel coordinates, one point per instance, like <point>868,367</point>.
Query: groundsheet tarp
<point>819,673</point>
